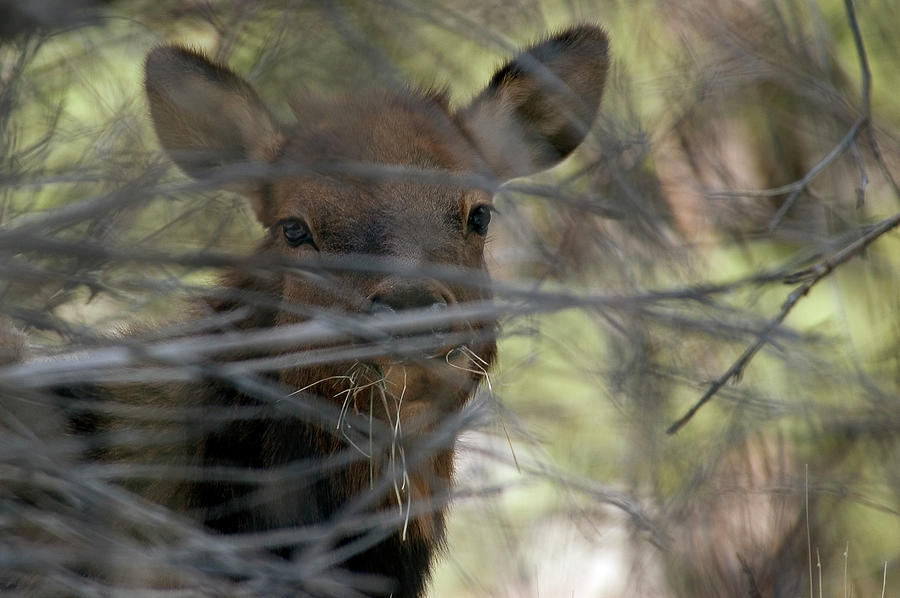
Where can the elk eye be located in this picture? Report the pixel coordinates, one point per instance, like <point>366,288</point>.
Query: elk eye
<point>296,233</point>
<point>479,219</point>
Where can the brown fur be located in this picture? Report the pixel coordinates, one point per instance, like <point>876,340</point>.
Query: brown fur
<point>324,171</point>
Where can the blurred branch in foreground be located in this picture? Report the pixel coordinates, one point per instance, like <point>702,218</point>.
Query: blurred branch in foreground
<point>741,147</point>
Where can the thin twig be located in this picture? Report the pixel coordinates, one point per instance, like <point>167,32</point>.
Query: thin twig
<point>846,556</point>
<point>863,121</point>
<point>811,276</point>
<point>802,184</point>
<point>752,586</point>
<point>808,538</point>
<point>819,569</point>
<point>794,189</point>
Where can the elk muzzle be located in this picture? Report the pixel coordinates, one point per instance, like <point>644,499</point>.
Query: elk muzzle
<point>394,294</point>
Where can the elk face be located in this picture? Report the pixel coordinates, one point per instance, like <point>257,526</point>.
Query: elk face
<point>357,202</point>
<point>388,177</point>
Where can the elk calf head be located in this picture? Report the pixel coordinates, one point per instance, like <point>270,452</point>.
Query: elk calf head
<point>396,177</point>
<point>350,176</point>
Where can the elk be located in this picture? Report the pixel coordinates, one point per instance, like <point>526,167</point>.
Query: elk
<point>318,189</point>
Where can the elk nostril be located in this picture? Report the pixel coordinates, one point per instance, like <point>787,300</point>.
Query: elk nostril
<point>381,309</point>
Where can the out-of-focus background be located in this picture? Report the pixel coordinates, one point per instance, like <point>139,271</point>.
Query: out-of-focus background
<point>727,227</point>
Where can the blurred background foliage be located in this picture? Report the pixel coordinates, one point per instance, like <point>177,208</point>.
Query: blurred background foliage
<point>654,257</point>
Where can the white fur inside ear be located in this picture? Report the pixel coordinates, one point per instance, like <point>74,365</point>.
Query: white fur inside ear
<point>500,139</point>
<point>539,107</point>
<point>208,119</point>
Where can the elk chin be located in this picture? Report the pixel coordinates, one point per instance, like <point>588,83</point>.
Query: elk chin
<point>425,389</point>
<point>437,378</point>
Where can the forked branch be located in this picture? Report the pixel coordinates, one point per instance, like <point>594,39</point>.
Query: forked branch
<point>809,277</point>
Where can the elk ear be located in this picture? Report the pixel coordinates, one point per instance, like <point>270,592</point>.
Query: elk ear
<point>539,107</point>
<point>207,117</point>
